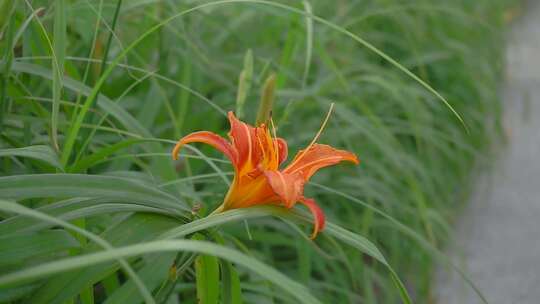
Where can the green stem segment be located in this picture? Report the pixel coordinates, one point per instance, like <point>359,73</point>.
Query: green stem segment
<point>7,26</point>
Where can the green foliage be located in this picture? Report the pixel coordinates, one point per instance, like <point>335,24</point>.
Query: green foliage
<point>94,94</point>
<point>207,271</point>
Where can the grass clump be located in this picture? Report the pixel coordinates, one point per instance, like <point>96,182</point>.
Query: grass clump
<point>94,95</point>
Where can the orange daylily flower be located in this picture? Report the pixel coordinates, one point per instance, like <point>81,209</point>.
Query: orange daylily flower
<point>256,157</point>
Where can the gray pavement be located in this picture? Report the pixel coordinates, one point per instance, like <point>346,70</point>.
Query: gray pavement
<point>497,238</point>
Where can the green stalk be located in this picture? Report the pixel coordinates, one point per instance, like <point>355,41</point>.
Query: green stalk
<point>8,55</point>
<point>91,117</point>
<point>109,39</point>
<point>59,47</point>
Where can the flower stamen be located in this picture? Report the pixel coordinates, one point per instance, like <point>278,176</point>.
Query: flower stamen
<point>274,141</point>
<point>314,140</point>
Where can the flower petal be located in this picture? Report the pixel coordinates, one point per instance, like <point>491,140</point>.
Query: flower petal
<point>316,157</point>
<point>209,138</point>
<point>244,139</point>
<point>289,187</point>
<point>283,150</point>
<point>318,215</point>
<point>249,191</point>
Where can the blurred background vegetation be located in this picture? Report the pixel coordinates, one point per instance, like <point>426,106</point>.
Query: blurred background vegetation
<point>95,93</point>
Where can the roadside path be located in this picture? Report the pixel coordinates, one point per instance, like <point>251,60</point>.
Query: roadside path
<point>498,235</point>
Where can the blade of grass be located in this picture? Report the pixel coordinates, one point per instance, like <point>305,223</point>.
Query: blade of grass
<point>153,273</point>
<point>8,31</point>
<point>109,38</point>
<point>59,46</point>
<point>295,289</point>
<point>348,33</point>
<point>411,233</point>
<point>125,230</point>
<point>16,248</point>
<point>91,117</point>
<point>40,152</point>
<point>309,40</point>
<point>231,290</point>
<point>73,132</point>
<point>15,208</point>
<point>207,279</point>
<point>81,185</point>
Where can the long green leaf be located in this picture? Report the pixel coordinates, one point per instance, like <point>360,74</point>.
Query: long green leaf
<point>43,153</point>
<point>207,272</point>
<point>363,244</point>
<point>81,185</point>
<point>59,46</point>
<point>153,273</point>
<point>309,40</point>
<point>7,27</point>
<point>113,109</point>
<point>100,206</point>
<point>295,289</point>
<point>16,248</point>
<point>231,290</point>
<point>127,230</point>
<point>105,103</point>
<point>321,20</point>
<point>348,237</point>
<point>102,154</point>
<point>412,234</point>
<point>15,208</point>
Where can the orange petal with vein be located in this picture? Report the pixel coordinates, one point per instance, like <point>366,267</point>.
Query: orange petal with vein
<point>318,216</point>
<point>212,139</point>
<point>316,157</point>
<point>244,140</point>
<point>283,150</point>
<point>289,187</point>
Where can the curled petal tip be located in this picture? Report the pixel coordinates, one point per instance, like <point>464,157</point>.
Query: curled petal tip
<point>318,216</point>
<point>354,159</point>
<point>209,138</point>
<point>176,150</point>
<point>348,156</point>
